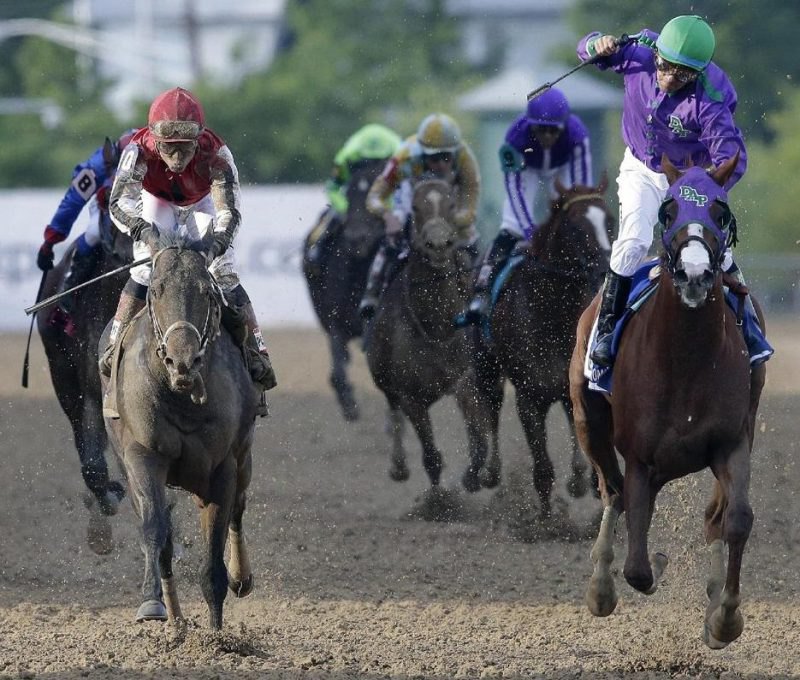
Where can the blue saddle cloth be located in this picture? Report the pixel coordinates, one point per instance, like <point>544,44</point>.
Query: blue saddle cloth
<point>497,286</point>
<point>642,287</point>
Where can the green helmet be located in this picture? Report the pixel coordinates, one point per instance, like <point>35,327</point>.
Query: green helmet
<point>439,133</point>
<point>687,40</point>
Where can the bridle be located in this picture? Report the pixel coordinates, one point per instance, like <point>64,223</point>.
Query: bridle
<point>210,327</point>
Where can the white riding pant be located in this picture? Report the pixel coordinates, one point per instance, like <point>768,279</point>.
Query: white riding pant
<point>641,192</point>
<point>192,221</point>
<point>92,233</point>
<point>528,196</point>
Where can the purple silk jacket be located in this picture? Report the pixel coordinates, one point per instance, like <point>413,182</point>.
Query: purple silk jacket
<point>694,123</point>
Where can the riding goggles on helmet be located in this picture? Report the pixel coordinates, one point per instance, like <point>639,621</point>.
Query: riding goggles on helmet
<point>176,130</point>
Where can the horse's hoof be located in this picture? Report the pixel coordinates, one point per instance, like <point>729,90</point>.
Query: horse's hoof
<point>399,473</point>
<point>350,413</point>
<point>711,641</point>
<point>242,588</point>
<point>151,610</point>
<point>722,631</point>
<point>471,481</point>
<point>577,486</point>
<point>601,596</point>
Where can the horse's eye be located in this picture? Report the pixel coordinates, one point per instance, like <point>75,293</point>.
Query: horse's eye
<point>664,213</point>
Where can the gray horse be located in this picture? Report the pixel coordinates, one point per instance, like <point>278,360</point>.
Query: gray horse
<point>187,411</point>
<point>414,352</point>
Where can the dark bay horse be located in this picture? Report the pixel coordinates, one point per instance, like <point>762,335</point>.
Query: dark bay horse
<point>415,353</point>
<point>187,414</point>
<point>337,288</point>
<point>684,398</point>
<point>72,357</point>
<point>531,333</point>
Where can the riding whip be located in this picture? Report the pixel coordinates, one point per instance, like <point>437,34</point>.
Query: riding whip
<point>58,296</point>
<point>26,362</point>
<point>623,40</point>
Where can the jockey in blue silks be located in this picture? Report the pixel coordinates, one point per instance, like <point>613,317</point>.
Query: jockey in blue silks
<point>544,144</point>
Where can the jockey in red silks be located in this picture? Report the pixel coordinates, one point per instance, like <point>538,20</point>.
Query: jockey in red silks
<point>179,176</point>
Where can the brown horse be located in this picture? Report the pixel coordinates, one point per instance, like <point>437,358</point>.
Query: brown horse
<point>531,332</point>
<point>684,398</point>
<point>415,353</point>
<point>187,414</point>
<point>337,288</point>
<point>72,357</point>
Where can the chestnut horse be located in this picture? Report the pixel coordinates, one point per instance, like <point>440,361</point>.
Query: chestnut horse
<point>187,411</point>
<point>684,398</point>
<point>531,333</point>
<point>338,286</point>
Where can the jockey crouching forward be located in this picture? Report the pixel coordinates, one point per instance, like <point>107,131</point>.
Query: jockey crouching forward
<point>179,176</point>
<point>91,183</point>
<point>436,150</point>
<point>544,144</point>
<point>371,142</point>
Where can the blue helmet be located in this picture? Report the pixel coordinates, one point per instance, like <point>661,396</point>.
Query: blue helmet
<point>549,108</point>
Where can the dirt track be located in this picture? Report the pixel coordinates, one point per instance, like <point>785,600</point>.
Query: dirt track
<point>349,585</point>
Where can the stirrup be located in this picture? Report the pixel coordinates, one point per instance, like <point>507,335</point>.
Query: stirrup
<point>262,409</point>
<point>601,354</point>
<point>478,308</point>
<point>367,308</point>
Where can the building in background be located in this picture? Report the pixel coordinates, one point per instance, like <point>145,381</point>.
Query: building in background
<point>528,36</point>
<point>154,44</point>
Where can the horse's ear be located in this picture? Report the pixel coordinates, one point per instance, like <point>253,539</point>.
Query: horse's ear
<point>669,169</point>
<point>559,187</point>
<point>601,188</point>
<point>723,173</point>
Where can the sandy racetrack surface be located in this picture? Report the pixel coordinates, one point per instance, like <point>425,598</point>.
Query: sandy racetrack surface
<point>350,584</point>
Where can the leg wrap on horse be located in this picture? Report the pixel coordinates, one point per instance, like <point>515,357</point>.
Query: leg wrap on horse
<point>615,296</point>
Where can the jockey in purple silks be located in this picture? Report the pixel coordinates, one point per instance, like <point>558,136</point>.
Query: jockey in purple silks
<point>679,103</point>
<point>545,143</point>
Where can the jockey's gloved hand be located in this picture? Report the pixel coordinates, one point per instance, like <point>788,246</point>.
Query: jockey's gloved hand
<point>145,232</point>
<point>44,258</point>
<point>221,243</point>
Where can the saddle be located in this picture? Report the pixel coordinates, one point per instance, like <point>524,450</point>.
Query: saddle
<point>645,283</point>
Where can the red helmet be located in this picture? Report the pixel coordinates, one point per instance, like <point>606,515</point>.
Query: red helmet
<point>176,116</point>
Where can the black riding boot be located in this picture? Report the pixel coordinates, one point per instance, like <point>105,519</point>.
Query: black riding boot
<point>496,258</point>
<point>376,279</point>
<point>80,268</point>
<point>319,251</point>
<point>615,296</point>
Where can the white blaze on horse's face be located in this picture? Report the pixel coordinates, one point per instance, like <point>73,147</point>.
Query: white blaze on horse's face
<point>694,273</point>
<point>597,217</point>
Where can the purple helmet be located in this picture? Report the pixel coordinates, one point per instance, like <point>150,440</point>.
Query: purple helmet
<point>549,108</point>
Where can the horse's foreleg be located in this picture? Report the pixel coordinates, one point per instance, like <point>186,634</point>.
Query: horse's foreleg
<point>476,421</point>
<point>640,497</point>
<point>577,486</point>
<point>215,521</point>
<point>340,358</point>
<point>240,573</point>
<point>724,620</point>
<point>533,415</point>
<point>601,596</point>
<point>168,586</point>
<point>147,479</point>
<point>395,423</point>
<point>431,456</point>
<point>489,394</point>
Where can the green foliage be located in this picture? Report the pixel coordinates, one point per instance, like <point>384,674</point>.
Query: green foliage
<point>350,63</point>
<point>755,44</point>
<point>766,198</point>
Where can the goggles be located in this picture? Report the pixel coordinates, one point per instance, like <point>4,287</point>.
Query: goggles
<point>176,130</point>
<point>681,73</point>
